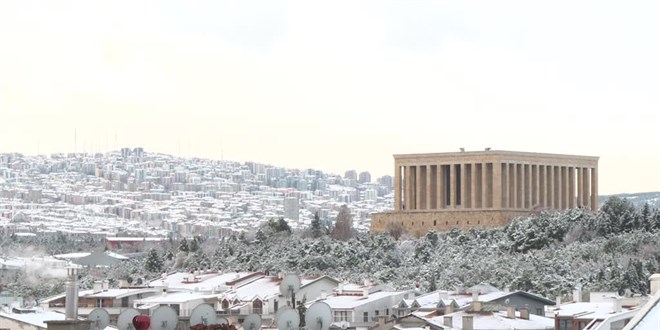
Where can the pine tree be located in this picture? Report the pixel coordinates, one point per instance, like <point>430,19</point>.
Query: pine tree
<point>154,262</point>
<point>183,246</point>
<point>316,226</point>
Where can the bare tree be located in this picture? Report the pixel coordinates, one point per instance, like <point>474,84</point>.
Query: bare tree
<point>395,230</point>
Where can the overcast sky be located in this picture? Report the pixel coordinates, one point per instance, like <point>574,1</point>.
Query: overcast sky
<point>338,85</point>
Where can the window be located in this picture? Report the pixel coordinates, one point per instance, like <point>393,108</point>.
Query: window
<point>341,316</point>
<point>276,305</point>
<point>387,311</point>
<point>124,302</point>
<point>435,222</point>
<point>99,302</point>
<point>376,313</point>
<point>225,304</point>
<point>539,311</point>
<point>257,307</point>
<point>365,317</point>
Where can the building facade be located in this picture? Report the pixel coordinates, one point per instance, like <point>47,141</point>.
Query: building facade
<point>440,191</point>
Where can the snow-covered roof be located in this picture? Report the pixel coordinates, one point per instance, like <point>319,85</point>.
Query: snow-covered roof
<point>203,282</point>
<point>587,310</point>
<point>494,321</point>
<point>175,298</point>
<point>349,302</point>
<point>37,319</point>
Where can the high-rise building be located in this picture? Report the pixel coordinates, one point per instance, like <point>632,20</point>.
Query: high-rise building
<point>291,208</point>
<point>365,177</point>
<point>350,174</point>
<point>485,188</point>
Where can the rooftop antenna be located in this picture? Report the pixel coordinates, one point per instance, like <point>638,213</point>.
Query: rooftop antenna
<point>100,318</point>
<point>288,319</point>
<point>252,322</point>
<point>289,286</point>
<point>164,318</point>
<point>203,314</point>
<point>125,319</point>
<point>318,316</point>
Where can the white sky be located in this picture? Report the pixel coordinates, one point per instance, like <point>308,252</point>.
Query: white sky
<point>338,85</point>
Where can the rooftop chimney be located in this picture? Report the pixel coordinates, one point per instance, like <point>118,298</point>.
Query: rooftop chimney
<point>340,288</point>
<point>467,322</point>
<point>655,283</point>
<point>616,305</point>
<point>511,312</point>
<point>97,286</point>
<point>365,292</point>
<point>558,301</point>
<point>447,321</point>
<point>577,294</point>
<point>524,312</point>
<point>105,285</point>
<point>71,302</point>
<point>476,304</point>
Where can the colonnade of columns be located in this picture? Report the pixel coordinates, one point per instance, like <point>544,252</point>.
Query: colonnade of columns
<point>499,185</point>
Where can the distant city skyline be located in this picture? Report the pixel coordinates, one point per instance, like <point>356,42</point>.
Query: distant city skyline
<point>336,86</point>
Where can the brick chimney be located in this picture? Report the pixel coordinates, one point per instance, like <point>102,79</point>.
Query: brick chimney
<point>476,304</point>
<point>511,312</point>
<point>468,322</point>
<point>447,321</point>
<point>655,283</point>
<point>524,312</point>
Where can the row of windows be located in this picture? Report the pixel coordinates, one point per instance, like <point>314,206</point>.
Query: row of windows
<point>435,222</point>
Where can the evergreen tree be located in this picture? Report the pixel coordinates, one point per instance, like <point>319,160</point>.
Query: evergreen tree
<point>154,262</point>
<point>183,246</point>
<point>316,226</point>
<point>194,245</point>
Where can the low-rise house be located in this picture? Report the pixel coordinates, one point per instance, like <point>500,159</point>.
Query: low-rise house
<point>262,296</point>
<point>362,306</point>
<point>443,301</point>
<point>27,319</point>
<point>113,300</point>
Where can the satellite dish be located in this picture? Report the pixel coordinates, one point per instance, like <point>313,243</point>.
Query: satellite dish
<point>621,292</point>
<point>203,314</point>
<point>289,319</point>
<point>140,280</point>
<point>221,321</point>
<point>129,280</point>
<point>318,316</point>
<point>252,322</point>
<point>125,319</point>
<point>290,285</point>
<point>100,318</point>
<point>164,318</point>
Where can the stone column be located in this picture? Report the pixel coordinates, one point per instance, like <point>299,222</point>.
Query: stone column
<point>580,189</point>
<point>514,193</point>
<point>419,183</point>
<point>543,186</point>
<point>397,187</point>
<point>505,185</point>
<point>571,187</point>
<point>528,185</point>
<point>535,185</point>
<point>551,186</point>
<point>429,188</point>
<point>464,185</point>
<point>410,205</point>
<point>594,189</point>
<point>441,186</point>
<point>484,186</point>
<point>452,186</point>
<point>496,197</point>
<point>585,186</point>
<point>473,189</point>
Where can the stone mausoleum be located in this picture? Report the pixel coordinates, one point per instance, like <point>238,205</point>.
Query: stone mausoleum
<point>441,191</point>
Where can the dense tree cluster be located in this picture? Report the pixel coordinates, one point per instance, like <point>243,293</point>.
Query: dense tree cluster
<point>549,253</point>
